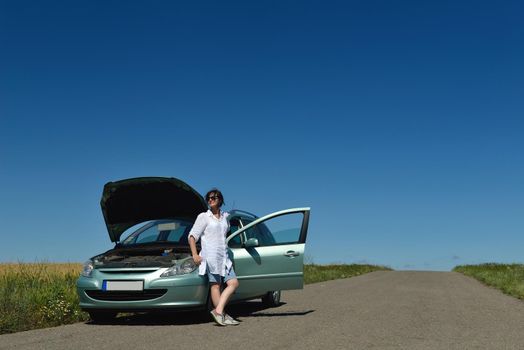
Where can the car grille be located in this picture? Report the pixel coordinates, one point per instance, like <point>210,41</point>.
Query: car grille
<point>146,294</point>
<point>133,271</point>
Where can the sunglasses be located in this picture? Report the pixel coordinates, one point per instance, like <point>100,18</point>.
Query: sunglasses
<point>214,198</point>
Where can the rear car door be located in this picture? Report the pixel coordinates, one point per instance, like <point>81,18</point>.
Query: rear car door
<point>271,254</point>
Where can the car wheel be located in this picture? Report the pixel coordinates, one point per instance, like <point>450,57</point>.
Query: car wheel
<point>272,299</point>
<point>102,316</point>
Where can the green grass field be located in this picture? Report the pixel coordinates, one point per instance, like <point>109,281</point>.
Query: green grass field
<point>508,278</point>
<point>44,294</point>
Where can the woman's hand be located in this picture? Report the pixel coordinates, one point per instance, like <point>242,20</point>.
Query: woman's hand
<point>197,259</point>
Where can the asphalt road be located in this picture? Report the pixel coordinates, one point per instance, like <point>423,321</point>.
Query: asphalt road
<point>380,310</point>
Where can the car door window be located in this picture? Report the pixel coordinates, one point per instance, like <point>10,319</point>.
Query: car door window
<point>284,229</point>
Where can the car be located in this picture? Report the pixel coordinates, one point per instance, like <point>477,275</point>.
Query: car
<point>151,268</point>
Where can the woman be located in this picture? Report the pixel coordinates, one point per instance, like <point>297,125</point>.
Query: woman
<point>211,228</point>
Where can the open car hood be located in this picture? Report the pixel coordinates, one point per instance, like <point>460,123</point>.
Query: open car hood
<point>129,202</point>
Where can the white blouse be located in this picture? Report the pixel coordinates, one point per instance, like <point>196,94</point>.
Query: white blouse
<point>212,233</point>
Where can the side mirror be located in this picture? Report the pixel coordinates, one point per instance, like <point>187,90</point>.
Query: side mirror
<point>250,243</point>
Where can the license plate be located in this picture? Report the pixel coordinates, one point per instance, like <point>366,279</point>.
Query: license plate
<point>123,285</point>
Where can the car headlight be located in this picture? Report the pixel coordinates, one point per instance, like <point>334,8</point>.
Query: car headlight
<point>87,269</point>
<point>185,267</point>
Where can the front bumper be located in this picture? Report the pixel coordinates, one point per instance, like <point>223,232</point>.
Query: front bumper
<point>160,293</point>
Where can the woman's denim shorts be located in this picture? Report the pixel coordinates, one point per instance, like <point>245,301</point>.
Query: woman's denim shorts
<point>216,278</point>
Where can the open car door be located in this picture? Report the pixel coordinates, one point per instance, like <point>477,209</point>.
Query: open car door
<point>271,253</point>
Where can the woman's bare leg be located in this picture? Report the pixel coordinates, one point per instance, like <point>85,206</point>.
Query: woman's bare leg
<point>215,293</point>
<point>232,285</point>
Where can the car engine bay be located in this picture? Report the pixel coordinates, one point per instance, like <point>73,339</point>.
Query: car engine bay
<point>141,257</point>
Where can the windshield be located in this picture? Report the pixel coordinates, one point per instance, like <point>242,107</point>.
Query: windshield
<point>172,231</point>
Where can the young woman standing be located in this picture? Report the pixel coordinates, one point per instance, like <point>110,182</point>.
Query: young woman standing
<point>211,228</point>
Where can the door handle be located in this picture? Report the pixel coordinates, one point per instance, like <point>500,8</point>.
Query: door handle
<point>291,253</point>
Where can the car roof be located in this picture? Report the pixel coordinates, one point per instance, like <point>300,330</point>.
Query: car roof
<point>242,213</point>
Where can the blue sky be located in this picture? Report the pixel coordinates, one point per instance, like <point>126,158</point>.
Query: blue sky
<point>399,123</point>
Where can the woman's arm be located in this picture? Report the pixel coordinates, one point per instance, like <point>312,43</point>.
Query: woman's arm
<point>196,258</point>
<point>194,235</point>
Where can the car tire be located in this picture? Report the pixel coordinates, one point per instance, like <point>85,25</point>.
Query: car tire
<point>102,316</point>
<point>272,299</point>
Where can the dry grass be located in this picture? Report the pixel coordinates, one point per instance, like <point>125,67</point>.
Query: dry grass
<point>38,295</point>
<point>60,269</point>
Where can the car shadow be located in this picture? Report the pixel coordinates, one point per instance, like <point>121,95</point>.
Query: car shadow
<point>164,318</point>
<point>169,318</point>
